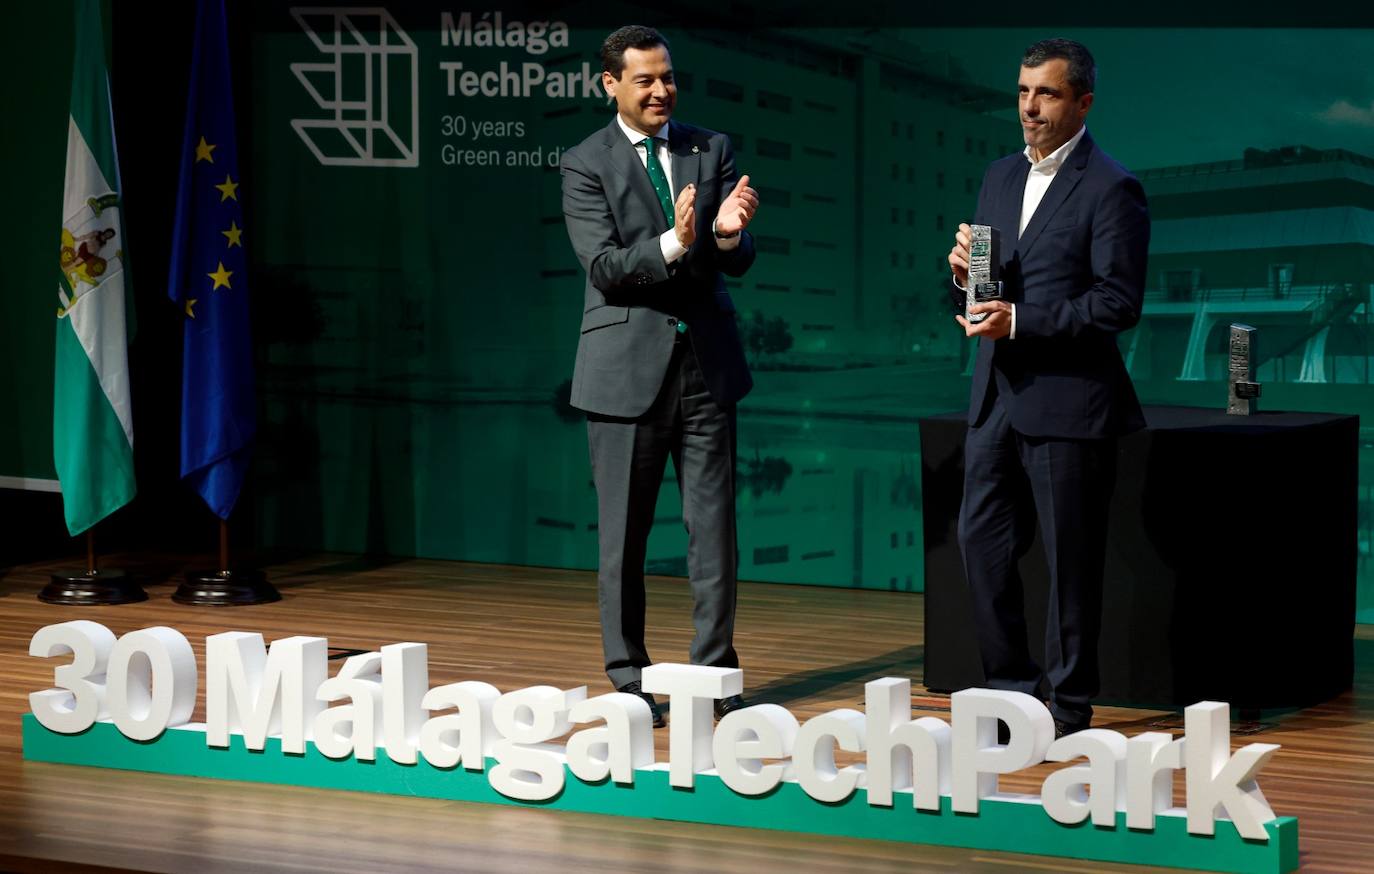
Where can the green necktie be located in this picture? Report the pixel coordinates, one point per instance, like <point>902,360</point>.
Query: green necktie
<point>660,181</point>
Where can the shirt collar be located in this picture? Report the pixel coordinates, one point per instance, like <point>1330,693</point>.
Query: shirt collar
<point>1050,162</point>
<point>635,136</point>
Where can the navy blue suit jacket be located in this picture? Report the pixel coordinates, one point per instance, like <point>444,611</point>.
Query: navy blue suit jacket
<point>1077,277</point>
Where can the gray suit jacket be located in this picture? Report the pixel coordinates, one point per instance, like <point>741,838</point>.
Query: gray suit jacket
<point>633,299</point>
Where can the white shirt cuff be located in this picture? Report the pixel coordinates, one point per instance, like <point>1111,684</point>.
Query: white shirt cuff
<point>725,244</point>
<point>1012,335</point>
<point>672,249</point>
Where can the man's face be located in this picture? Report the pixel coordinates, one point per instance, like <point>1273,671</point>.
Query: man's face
<point>1050,111</point>
<point>645,93</point>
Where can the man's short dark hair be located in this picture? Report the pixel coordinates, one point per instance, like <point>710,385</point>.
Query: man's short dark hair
<point>1082,67</point>
<point>631,36</point>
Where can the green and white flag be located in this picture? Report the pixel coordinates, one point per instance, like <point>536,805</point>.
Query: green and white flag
<point>93,428</point>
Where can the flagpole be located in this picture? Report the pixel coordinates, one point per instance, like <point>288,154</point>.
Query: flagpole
<point>225,587</point>
<point>93,586</point>
<point>224,546</point>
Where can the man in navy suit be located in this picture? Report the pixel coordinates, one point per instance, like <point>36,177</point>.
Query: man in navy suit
<point>1050,392</point>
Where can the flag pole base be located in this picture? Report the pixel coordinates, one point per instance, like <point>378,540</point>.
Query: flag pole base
<point>226,589</point>
<point>91,588</point>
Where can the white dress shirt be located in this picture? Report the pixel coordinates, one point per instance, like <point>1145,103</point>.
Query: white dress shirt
<point>667,242</point>
<point>1037,183</point>
<point>1041,175</point>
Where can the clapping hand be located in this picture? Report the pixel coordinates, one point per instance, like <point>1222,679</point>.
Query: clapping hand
<point>738,209</point>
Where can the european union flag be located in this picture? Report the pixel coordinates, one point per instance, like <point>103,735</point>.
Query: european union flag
<point>209,280</point>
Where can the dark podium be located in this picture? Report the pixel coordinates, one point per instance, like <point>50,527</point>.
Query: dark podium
<point>1230,561</point>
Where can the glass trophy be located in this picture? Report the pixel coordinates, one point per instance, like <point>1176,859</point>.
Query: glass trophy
<point>983,267</point>
<point>1242,390</point>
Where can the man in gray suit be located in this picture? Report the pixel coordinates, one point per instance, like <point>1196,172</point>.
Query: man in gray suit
<point>656,213</point>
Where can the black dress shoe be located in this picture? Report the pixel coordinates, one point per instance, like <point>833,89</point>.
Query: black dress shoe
<point>1062,728</point>
<point>729,705</point>
<point>634,689</point>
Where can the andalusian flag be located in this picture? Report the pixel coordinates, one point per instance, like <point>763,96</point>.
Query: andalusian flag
<point>93,429</point>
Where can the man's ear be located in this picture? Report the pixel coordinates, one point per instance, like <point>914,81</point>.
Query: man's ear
<point>1085,103</point>
<point>608,82</point>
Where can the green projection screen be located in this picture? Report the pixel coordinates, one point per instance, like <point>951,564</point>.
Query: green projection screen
<point>418,302</point>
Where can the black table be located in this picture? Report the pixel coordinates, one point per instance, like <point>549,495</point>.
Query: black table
<point>1230,561</point>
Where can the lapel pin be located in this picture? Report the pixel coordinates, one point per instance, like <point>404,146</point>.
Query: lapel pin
<point>695,149</point>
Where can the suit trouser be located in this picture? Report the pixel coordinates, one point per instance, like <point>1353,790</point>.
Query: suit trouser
<point>628,458</point>
<point>1010,480</point>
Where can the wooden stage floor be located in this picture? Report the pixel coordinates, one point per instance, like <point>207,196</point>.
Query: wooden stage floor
<point>809,649</point>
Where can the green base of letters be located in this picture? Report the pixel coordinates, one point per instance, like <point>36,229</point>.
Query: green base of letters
<point>1000,825</point>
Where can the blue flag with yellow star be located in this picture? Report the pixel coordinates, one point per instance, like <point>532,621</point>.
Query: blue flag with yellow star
<point>209,280</point>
